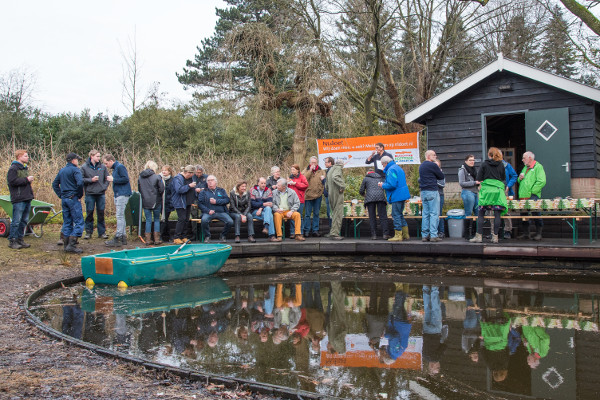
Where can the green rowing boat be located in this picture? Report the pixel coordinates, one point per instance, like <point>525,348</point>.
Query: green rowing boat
<point>154,265</point>
<point>148,299</point>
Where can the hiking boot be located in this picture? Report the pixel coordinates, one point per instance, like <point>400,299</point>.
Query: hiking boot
<point>386,236</point>
<point>114,242</point>
<point>275,239</point>
<point>425,239</point>
<point>237,239</point>
<point>477,239</point>
<point>292,236</point>
<point>13,244</point>
<point>103,236</point>
<point>72,246</point>
<point>177,241</point>
<point>23,244</point>
<point>397,237</point>
<point>251,239</point>
<point>157,240</point>
<point>494,238</point>
<point>316,234</point>
<point>538,233</point>
<point>123,240</point>
<point>336,237</point>
<point>435,239</point>
<point>148,239</point>
<point>299,238</point>
<point>88,235</point>
<point>405,235</point>
<point>61,241</point>
<point>265,230</point>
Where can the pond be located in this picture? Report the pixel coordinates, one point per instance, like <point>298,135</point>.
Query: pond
<point>354,335</point>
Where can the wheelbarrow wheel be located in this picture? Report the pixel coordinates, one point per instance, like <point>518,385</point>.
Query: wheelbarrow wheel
<point>4,227</point>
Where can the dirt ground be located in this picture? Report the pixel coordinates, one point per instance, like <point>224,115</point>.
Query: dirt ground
<point>33,365</point>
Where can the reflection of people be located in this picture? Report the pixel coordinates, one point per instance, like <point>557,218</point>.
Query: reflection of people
<point>337,327</point>
<point>471,328</point>
<point>312,303</point>
<point>397,331</point>
<point>537,342</point>
<point>72,323</point>
<point>377,311</point>
<point>287,310</point>
<point>495,328</point>
<point>433,341</point>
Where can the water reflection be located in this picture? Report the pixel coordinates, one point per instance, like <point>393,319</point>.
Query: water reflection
<point>355,339</point>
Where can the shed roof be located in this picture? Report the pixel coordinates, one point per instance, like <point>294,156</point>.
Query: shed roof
<point>503,64</point>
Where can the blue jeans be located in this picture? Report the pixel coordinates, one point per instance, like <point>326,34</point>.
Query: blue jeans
<point>398,215</point>
<point>20,219</point>
<point>221,216</point>
<point>312,207</point>
<point>98,202</point>
<point>270,300</point>
<point>293,224</point>
<point>470,201</point>
<point>237,223</point>
<point>148,214</point>
<point>431,213</point>
<point>441,221</point>
<point>432,320</point>
<point>72,217</point>
<point>267,218</point>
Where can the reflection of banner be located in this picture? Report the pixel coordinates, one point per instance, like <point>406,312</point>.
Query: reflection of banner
<point>359,354</point>
<point>355,151</point>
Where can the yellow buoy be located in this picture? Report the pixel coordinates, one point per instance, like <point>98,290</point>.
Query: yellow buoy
<point>89,282</point>
<point>122,285</point>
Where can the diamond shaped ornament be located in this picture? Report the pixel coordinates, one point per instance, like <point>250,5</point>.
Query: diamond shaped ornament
<point>546,130</point>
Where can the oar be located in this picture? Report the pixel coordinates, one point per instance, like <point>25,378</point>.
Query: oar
<point>180,247</point>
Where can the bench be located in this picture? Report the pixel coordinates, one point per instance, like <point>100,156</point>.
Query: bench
<point>199,234</point>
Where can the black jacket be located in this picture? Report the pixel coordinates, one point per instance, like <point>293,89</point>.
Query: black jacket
<point>18,185</point>
<point>370,189</point>
<point>239,204</point>
<point>151,188</point>
<point>491,169</point>
<point>89,171</point>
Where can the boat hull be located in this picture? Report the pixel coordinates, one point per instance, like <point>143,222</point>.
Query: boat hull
<point>154,265</point>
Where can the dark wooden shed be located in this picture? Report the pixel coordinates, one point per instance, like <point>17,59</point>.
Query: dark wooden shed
<point>518,108</point>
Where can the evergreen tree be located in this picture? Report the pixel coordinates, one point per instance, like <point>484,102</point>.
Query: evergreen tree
<point>558,53</point>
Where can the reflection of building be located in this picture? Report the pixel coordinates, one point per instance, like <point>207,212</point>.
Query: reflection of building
<point>359,354</point>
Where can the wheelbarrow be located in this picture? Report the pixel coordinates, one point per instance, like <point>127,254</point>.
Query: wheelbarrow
<point>41,213</point>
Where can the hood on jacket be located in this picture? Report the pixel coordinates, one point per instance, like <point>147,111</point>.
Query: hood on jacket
<point>494,163</point>
<point>374,175</point>
<point>146,173</point>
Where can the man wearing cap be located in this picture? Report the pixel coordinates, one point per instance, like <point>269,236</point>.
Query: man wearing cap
<point>122,191</point>
<point>19,185</point>
<point>68,185</point>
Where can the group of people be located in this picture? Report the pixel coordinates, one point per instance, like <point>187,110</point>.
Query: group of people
<point>272,200</point>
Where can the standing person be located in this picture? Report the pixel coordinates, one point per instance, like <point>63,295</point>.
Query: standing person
<point>240,210</point>
<point>213,203</point>
<point>285,206</point>
<point>68,186</point>
<point>511,179</point>
<point>313,196</point>
<point>492,196</point>
<point>376,157</point>
<point>182,199</point>
<point>470,190</point>
<point>200,178</point>
<point>335,187</point>
<point>151,187</point>
<point>275,176</point>
<point>261,198</point>
<point>397,194</point>
<point>434,332</point>
<point>21,194</point>
<point>397,331</point>
<point>298,184</point>
<point>375,202</point>
<point>531,182</point>
<point>441,185</point>
<point>167,206</point>
<point>429,174</point>
<point>122,191</point>
<point>95,183</point>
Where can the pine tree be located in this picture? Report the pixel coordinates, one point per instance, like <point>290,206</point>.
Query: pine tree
<point>558,53</point>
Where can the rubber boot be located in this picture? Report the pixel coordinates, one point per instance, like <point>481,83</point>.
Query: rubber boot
<point>477,239</point>
<point>23,244</point>
<point>148,239</point>
<point>13,244</point>
<point>123,239</point>
<point>397,237</point>
<point>494,238</point>
<point>157,240</point>
<point>467,229</point>
<point>405,235</point>
<point>61,241</point>
<point>538,233</point>
<point>114,242</point>
<point>71,247</point>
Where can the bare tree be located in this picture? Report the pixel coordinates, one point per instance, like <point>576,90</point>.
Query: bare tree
<point>131,76</point>
<point>16,98</point>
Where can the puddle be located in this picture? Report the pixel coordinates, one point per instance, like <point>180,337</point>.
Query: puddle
<point>344,335</point>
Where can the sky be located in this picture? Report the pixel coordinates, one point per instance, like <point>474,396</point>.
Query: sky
<point>74,48</point>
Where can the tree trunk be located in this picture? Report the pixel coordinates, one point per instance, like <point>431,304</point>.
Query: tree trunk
<point>392,92</point>
<point>303,119</point>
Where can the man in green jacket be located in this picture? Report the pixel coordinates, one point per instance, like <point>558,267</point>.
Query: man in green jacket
<point>335,185</point>
<point>537,343</point>
<point>531,181</point>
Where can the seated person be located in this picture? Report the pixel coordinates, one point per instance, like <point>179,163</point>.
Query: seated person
<point>285,206</point>
<point>261,199</point>
<point>213,203</point>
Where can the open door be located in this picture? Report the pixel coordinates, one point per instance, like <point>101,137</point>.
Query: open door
<point>547,136</point>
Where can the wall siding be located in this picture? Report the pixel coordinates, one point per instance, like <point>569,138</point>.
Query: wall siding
<point>454,129</point>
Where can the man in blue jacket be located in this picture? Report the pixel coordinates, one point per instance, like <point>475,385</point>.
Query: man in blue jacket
<point>429,174</point>
<point>511,179</point>
<point>122,191</point>
<point>68,185</point>
<point>397,193</point>
<point>213,201</point>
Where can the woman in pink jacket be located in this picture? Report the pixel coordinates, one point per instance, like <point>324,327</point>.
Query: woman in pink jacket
<point>298,183</point>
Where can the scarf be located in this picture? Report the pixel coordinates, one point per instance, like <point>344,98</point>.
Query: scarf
<point>471,170</point>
